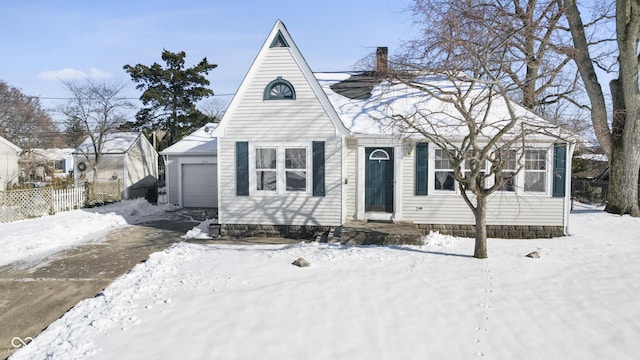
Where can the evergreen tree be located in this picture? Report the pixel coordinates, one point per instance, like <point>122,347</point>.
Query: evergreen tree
<point>170,95</point>
<point>75,132</point>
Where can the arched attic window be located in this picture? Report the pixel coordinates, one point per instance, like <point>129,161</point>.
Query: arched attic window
<point>279,89</point>
<point>379,155</point>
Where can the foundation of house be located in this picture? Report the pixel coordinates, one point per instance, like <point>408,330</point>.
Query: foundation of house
<point>383,233</point>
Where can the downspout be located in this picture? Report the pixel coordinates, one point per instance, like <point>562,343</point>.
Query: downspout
<point>125,176</point>
<point>344,180</point>
<point>568,196</point>
<point>165,157</point>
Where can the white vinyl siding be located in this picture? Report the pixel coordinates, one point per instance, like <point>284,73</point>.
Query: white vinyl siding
<point>172,175</point>
<point>285,208</point>
<point>9,169</point>
<point>504,208</point>
<point>283,124</point>
<point>302,118</point>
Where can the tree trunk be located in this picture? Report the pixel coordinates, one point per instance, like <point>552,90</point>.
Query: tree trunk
<point>623,179</point>
<point>621,143</point>
<point>480,213</point>
<point>625,160</point>
<point>582,58</point>
<point>623,182</point>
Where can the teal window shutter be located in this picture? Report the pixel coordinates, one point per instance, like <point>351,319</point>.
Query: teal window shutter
<point>559,169</point>
<point>422,169</point>
<point>242,168</point>
<point>318,168</point>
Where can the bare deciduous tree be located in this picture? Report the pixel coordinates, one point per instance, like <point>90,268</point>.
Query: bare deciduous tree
<point>213,108</point>
<point>24,122</point>
<point>479,55</point>
<point>620,138</point>
<point>482,134</point>
<point>532,35</point>
<point>100,109</point>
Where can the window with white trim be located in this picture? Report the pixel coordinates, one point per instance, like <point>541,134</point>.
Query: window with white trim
<point>295,169</point>
<point>535,171</point>
<point>443,171</point>
<point>279,89</point>
<point>467,167</point>
<point>509,167</point>
<point>278,169</point>
<point>266,169</point>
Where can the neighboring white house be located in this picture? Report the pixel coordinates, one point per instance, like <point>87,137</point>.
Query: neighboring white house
<point>192,170</point>
<point>307,150</point>
<point>36,162</point>
<point>127,157</point>
<point>9,169</point>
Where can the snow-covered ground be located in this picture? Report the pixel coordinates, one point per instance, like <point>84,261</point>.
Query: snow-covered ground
<point>34,238</point>
<point>579,300</point>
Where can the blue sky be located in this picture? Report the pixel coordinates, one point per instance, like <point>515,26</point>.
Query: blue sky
<point>44,41</point>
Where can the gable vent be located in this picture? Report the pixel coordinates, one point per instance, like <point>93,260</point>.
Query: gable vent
<point>279,41</point>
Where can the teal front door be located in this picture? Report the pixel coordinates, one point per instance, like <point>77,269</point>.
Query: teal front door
<point>378,180</point>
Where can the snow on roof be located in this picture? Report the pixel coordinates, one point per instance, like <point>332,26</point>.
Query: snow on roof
<point>365,104</point>
<point>594,157</point>
<point>200,141</point>
<point>54,153</point>
<point>115,143</point>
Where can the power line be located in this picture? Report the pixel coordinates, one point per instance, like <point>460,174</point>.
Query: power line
<point>122,98</point>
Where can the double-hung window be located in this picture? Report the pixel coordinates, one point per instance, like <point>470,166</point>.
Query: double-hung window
<point>535,170</point>
<point>509,167</point>
<point>266,169</point>
<point>467,167</point>
<point>295,169</point>
<point>443,171</point>
<point>280,169</point>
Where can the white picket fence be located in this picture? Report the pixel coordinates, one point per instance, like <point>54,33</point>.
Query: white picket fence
<point>68,199</point>
<point>31,203</point>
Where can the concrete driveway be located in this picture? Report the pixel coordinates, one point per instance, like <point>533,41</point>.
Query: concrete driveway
<point>33,295</point>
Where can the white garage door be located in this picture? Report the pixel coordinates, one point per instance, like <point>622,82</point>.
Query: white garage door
<point>199,185</point>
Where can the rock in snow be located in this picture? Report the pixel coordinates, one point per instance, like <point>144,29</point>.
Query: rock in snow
<point>301,263</point>
<point>533,254</point>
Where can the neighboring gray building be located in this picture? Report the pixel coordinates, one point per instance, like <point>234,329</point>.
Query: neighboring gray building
<point>127,157</point>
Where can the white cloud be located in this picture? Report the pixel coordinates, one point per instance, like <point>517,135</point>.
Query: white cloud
<point>99,74</point>
<point>73,74</point>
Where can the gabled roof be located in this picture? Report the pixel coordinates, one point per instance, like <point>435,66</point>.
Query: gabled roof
<point>10,144</point>
<point>52,154</point>
<point>366,102</point>
<point>115,143</point>
<point>56,153</point>
<point>280,37</point>
<point>200,141</point>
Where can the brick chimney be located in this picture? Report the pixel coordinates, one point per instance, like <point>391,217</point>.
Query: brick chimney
<point>382,60</point>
